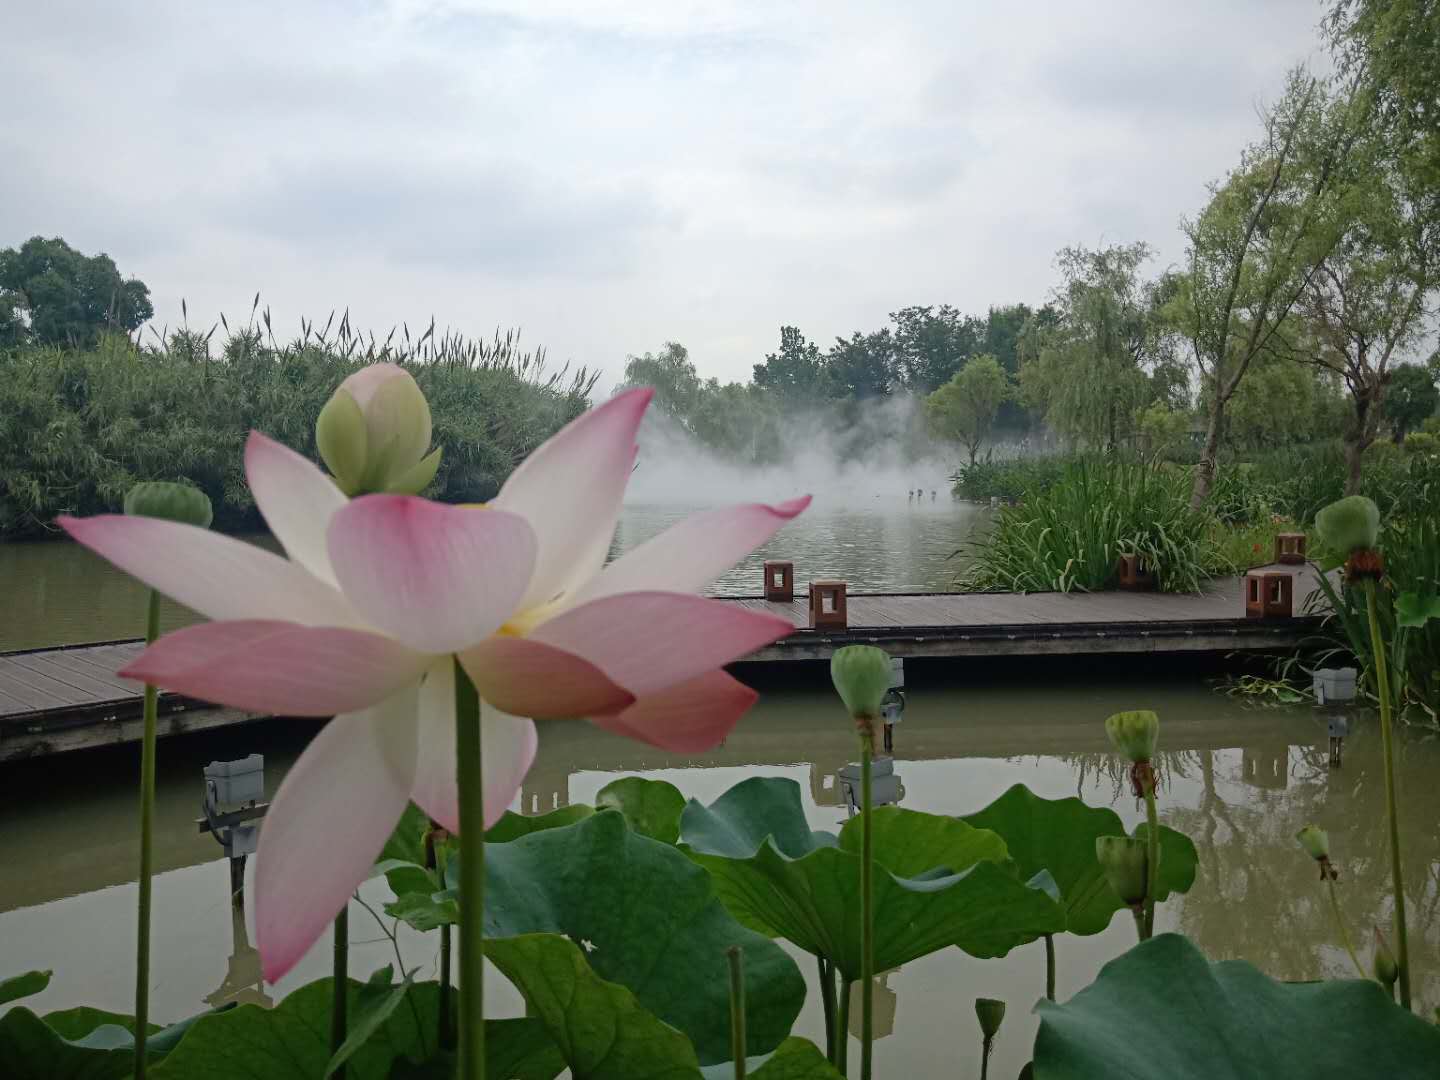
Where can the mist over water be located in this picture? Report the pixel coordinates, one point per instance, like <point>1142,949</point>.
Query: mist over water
<point>866,465</point>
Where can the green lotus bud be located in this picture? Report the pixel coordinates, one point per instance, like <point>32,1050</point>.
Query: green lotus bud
<point>1134,734</point>
<point>991,1014</point>
<point>1349,524</point>
<point>170,502</point>
<point>1385,968</point>
<point>1124,862</point>
<point>1315,841</point>
<point>373,433</point>
<point>861,674</point>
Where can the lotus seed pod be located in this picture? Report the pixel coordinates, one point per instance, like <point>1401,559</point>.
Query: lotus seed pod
<point>1124,862</point>
<point>1315,841</point>
<point>990,1013</point>
<point>170,502</point>
<point>861,674</point>
<point>1349,524</point>
<point>1134,734</point>
<point>373,433</point>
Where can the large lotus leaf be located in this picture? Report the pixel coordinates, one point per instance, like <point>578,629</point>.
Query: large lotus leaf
<point>512,826</point>
<point>602,1031</point>
<point>23,985</point>
<point>81,1042</point>
<point>1058,835</point>
<point>797,1059</point>
<point>650,921</point>
<point>1162,1009</point>
<point>938,881</point>
<point>292,1040</point>
<point>652,807</point>
<point>739,822</point>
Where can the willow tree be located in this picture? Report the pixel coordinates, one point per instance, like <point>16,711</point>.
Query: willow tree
<point>1255,248</point>
<point>1364,307</point>
<point>964,409</point>
<point>1103,358</point>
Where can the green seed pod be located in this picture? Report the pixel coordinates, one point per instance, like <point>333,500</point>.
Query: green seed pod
<point>1134,734</point>
<point>170,502</point>
<point>374,431</point>
<point>1349,524</point>
<point>1386,970</point>
<point>990,1013</point>
<point>861,674</point>
<point>1124,862</point>
<point>1315,841</point>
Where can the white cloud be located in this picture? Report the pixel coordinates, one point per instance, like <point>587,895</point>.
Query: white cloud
<point>613,174</point>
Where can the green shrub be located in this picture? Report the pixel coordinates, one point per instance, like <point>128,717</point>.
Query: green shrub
<point>1072,534</point>
<point>79,427</point>
<point>1009,480</point>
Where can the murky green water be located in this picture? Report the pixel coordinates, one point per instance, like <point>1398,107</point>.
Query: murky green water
<point>1239,781</point>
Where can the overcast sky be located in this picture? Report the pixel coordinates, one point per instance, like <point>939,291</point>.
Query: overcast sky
<point>612,174</point>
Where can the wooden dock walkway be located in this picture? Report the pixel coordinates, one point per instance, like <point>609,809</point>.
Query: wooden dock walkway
<point>54,700</point>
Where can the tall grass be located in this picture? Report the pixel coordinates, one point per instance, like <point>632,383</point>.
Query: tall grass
<point>1071,534</point>
<point>79,427</point>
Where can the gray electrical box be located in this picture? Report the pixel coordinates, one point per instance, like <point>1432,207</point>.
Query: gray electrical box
<point>237,782</point>
<point>1334,685</point>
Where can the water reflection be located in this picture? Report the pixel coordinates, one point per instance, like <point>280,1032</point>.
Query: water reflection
<point>1239,782</point>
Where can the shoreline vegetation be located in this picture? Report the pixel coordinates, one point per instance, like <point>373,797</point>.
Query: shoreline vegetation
<point>80,426</point>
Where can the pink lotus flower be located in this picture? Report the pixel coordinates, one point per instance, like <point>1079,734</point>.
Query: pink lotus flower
<point>361,622</point>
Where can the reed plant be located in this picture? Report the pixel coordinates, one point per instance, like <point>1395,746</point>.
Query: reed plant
<point>1071,535</point>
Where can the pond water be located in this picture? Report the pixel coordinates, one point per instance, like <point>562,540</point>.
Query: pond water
<point>1240,781</point>
<point>57,593</point>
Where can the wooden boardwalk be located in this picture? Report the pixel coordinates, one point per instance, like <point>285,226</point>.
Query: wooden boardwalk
<point>54,700</point>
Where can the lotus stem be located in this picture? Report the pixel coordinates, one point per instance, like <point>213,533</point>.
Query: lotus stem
<point>1344,932</point>
<point>1050,966</point>
<point>737,1009</point>
<point>340,982</point>
<point>445,1035</point>
<point>986,1045</point>
<point>1139,912</point>
<point>147,850</point>
<point>867,911</point>
<point>842,1029</point>
<point>472,877</point>
<point>1152,854</point>
<point>827,999</point>
<point>1382,688</point>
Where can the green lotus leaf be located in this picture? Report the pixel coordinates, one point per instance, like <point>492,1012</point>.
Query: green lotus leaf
<point>1059,835</point>
<point>23,985</point>
<point>1413,609</point>
<point>796,1059</point>
<point>1162,1009</point>
<point>651,807</point>
<point>651,922</point>
<point>938,882</point>
<point>512,826</point>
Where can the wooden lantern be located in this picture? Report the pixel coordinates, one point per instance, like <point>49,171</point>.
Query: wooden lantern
<point>780,582</point>
<point>1136,574</point>
<point>1269,595</point>
<point>1290,548</point>
<point>827,605</point>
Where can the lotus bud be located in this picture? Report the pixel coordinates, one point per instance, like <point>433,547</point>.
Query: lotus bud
<point>861,674</point>
<point>1124,862</point>
<point>1386,970</point>
<point>1315,841</point>
<point>373,433</point>
<point>170,502</point>
<point>1349,524</point>
<point>990,1013</point>
<point>1134,734</point>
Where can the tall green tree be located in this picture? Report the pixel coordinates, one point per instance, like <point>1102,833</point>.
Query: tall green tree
<point>1092,370</point>
<point>1254,249</point>
<point>964,409</point>
<point>931,344</point>
<point>864,366</point>
<point>1363,309</point>
<point>672,375</point>
<point>51,294</point>
<point>794,374</point>
<point>1392,49</point>
<point>1411,399</point>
